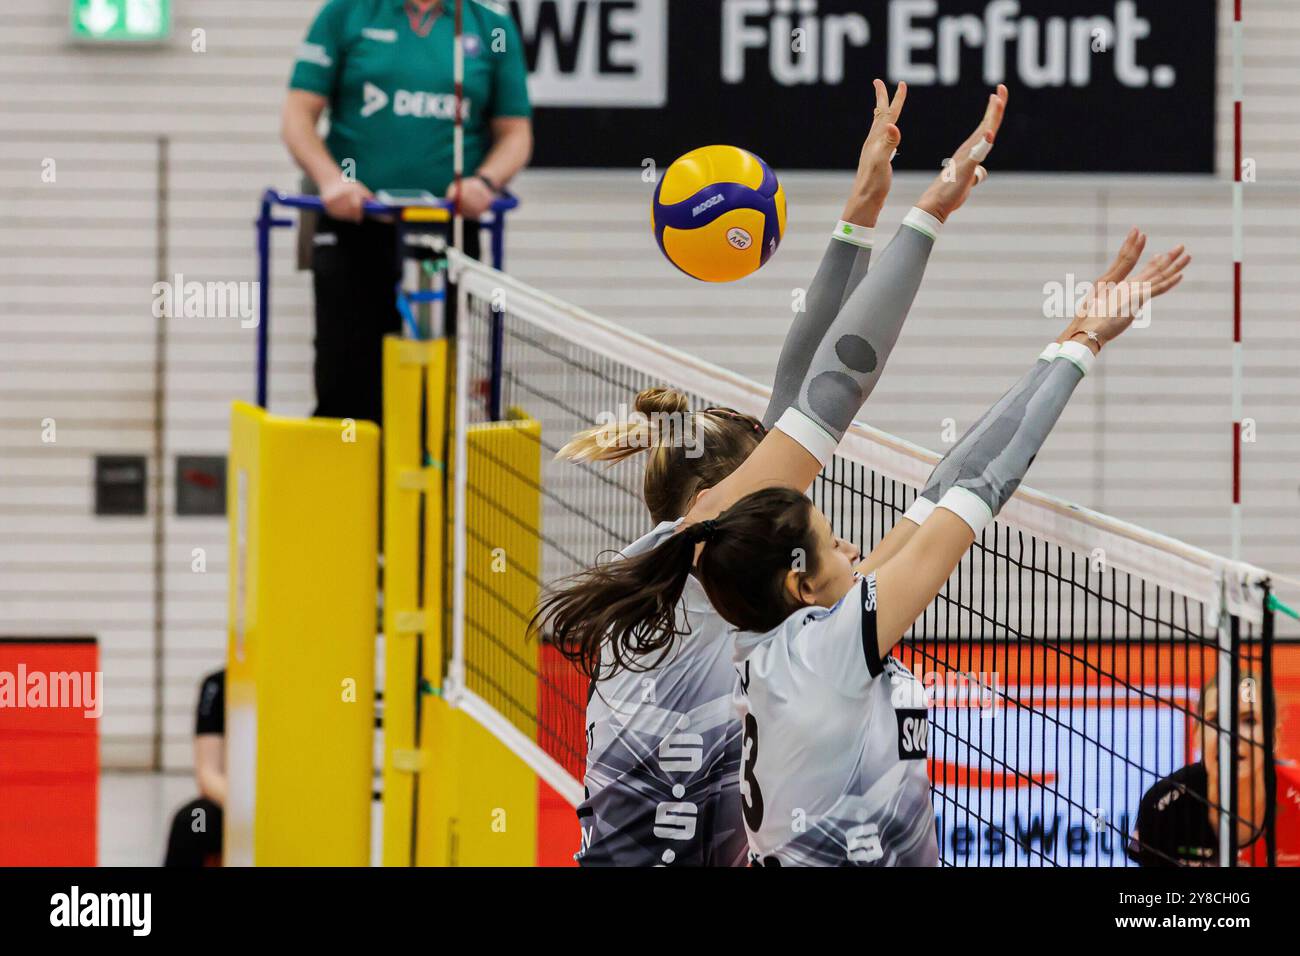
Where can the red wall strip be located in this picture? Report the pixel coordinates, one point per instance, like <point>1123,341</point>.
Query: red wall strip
<point>49,760</point>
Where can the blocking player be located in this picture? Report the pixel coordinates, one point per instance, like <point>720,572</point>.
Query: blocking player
<point>663,742</point>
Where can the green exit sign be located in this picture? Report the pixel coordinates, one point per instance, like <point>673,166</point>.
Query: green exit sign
<point>131,20</point>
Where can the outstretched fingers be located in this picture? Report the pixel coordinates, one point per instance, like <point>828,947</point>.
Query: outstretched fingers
<point>1163,263</point>
<point>987,131</point>
<point>888,111</point>
<point>979,144</point>
<point>1165,284</point>
<point>882,95</point>
<point>996,109</point>
<point>1126,259</point>
<point>884,136</point>
<point>964,170</point>
<point>896,105</point>
<point>875,174</point>
<point>1172,272</point>
<point>1163,273</point>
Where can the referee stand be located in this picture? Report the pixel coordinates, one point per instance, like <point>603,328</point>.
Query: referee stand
<point>411,218</point>
<point>304,591</point>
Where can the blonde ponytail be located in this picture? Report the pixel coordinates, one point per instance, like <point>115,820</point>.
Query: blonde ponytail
<point>619,440</point>
<point>689,451</point>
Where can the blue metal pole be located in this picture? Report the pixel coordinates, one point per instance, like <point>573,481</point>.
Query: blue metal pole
<point>264,296</point>
<point>498,229</point>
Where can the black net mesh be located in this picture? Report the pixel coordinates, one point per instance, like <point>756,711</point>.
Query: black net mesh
<point>1062,690</point>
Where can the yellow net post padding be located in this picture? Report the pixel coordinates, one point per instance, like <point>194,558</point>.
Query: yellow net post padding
<point>300,681</point>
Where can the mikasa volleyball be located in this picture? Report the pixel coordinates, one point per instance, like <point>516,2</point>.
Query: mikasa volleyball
<point>718,213</point>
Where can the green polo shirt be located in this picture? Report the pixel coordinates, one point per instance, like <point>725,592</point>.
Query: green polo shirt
<point>391,91</point>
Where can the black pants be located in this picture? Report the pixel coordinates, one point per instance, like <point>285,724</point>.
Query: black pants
<point>195,838</point>
<point>355,269</point>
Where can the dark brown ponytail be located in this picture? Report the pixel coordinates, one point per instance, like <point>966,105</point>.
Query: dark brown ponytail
<point>631,603</point>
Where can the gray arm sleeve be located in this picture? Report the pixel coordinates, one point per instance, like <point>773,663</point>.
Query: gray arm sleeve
<point>852,354</point>
<point>996,461</point>
<point>945,473</point>
<point>842,268</point>
<point>859,273</point>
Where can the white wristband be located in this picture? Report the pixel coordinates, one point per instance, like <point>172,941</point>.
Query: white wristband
<point>967,506</point>
<point>923,222</point>
<point>854,234</point>
<point>814,439</point>
<point>1050,353</point>
<point>1079,354</point>
<point>919,510</point>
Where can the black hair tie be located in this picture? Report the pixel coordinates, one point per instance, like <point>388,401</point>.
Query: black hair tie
<point>708,530</point>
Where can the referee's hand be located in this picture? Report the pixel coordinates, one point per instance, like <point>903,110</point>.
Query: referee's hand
<point>476,198</point>
<point>346,200</point>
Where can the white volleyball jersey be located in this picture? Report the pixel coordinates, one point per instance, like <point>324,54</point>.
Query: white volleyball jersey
<point>663,749</point>
<point>833,760</point>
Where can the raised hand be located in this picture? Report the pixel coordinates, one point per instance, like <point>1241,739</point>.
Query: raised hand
<point>1124,263</point>
<point>1125,260</point>
<point>875,174</point>
<point>963,170</point>
<point>1116,301</point>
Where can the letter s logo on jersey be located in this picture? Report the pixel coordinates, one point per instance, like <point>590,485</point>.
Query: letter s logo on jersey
<point>913,733</point>
<point>681,753</point>
<point>675,821</point>
<point>862,843</point>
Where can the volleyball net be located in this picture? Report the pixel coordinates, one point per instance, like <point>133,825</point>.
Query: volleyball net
<point>1065,659</point>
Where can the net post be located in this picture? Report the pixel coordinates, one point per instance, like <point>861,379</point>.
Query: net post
<point>1223,685</point>
<point>1238,233</point>
<point>1270,723</point>
<point>497,231</point>
<point>498,360</point>
<point>1233,764</point>
<point>454,681</point>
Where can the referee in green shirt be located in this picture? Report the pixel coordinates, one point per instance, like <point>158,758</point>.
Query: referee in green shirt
<point>384,69</point>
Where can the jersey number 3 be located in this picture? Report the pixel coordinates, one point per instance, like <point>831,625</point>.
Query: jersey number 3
<point>751,796</point>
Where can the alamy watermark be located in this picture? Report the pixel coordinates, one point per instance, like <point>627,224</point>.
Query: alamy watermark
<point>1071,298</point>
<point>179,299</point>
<point>133,911</point>
<point>80,690</point>
<point>963,690</point>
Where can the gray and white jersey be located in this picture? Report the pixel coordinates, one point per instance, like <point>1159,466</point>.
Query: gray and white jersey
<point>833,765</point>
<point>663,749</point>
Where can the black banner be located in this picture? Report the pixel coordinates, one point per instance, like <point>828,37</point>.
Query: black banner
<point>1096,85</point>
<point>314,908</point>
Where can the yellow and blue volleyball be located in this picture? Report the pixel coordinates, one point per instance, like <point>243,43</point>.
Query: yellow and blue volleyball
<point>718,213</point>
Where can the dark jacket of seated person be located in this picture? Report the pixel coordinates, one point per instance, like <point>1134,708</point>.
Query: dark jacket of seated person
<point>195,838</point>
